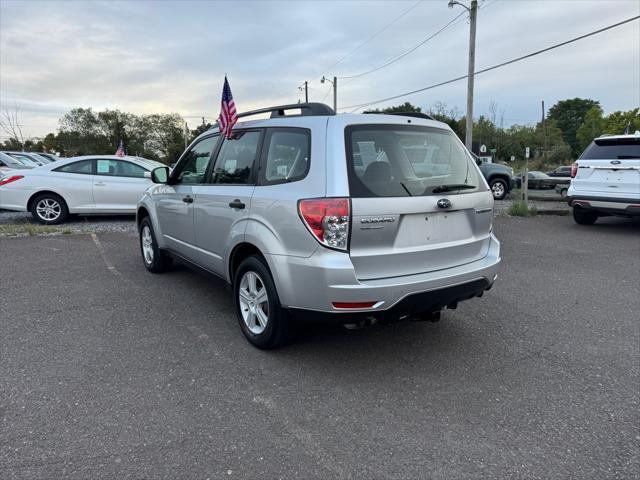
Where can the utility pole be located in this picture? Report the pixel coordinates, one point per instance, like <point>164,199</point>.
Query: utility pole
<point>335,94</point>
<point>186,135</point>
<point>203,122</point>
<point>306,91</point>
<point>473,13</point>
<point>544,133</point>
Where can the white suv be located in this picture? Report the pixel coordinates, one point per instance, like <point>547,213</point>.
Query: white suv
<point>606,179</point>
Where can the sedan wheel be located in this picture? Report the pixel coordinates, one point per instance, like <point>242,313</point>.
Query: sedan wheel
<point>49,209</point>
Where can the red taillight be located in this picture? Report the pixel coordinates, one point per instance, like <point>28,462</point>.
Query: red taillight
<point>328,219</point>
<point>12,178</point>
<point>574,169</point>
<point>353,304</point>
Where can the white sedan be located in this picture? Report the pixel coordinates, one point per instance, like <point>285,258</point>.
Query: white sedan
<point>96,184</point>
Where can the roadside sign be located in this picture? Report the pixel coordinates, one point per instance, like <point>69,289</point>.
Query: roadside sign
<point>513,158</point>
<point>483,149</point>
<point>493,150</point>
<point>526,152</point>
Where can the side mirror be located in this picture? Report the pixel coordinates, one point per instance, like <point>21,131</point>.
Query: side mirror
<point>478,161</point>
<point>160,175</point>
<point>147,175</point>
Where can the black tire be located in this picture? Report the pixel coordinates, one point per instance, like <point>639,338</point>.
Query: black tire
<point>49,209</point>
<point>158,261</point>
<point>277,330</point>
<point>584,217</point>
<point>499,188</point>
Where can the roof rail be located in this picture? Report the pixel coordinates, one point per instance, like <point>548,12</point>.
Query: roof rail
<point>306,110</point>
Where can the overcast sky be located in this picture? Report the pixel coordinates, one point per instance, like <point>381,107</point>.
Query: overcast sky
<point>150,57</point>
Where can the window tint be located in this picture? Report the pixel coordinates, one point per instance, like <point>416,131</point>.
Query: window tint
<point>83,166</point>
<point>236,158</point>
<point>118,168</point>
<point>614,149</point>
<point>403,160</point>
<point>194,163</point>
<point>287,155</point>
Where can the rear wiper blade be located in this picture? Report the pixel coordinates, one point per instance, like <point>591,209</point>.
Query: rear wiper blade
<point>406,189</point>
<point>627,157</point>
<point>453,186</point>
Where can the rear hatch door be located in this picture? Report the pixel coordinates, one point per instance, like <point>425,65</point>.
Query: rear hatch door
<point>419,203</point>
<point>611,166</point>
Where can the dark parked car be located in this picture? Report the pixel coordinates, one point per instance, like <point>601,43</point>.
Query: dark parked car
<point>539,181</point>
<point>561,172</point>
<point>499,177</point>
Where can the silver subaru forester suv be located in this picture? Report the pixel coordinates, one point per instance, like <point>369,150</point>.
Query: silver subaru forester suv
<point>318,216</point>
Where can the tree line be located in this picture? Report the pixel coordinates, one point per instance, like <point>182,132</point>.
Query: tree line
<point>569,127</point>
<point>567,130</point>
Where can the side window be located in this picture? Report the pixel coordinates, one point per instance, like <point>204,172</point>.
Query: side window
<point>287,157</point>
<point>193,165</point>
<point>236,159</point>
<point>83,166</point>
<point>118,168</point>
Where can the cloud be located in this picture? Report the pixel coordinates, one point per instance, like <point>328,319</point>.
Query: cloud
<point>148,57</point>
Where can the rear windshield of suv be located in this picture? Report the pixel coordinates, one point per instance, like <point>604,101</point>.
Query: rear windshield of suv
<point>407,160</point>
<point>614,149</point>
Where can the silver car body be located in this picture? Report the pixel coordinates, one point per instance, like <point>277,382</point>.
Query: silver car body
<point>8,163</point>
<point>398,246</point>
<point>85,193</point>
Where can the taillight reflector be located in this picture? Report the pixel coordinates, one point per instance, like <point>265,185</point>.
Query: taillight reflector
<point>328,220</point>
<point>353,304</point>
<point>574,169</point>
<point>12,178</point>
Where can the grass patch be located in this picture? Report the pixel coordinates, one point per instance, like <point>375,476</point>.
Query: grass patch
<point>20,229</point>
<point>520,209</point>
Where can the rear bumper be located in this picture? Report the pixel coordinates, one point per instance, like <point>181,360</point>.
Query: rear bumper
<point>429,301</point>
<point>313,284</point>
<point>607,205</point>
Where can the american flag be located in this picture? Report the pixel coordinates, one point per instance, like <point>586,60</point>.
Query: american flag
<point>120,151</point>
<point>228,115</point>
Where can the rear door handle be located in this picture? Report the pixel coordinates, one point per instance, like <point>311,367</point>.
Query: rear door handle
<point>100,184</point>
<point>237,204</point>
<point>188,199</point>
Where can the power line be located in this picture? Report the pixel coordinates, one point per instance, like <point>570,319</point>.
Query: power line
<point>375,34</point>
<point>462,77</point>
<point>405,53</point>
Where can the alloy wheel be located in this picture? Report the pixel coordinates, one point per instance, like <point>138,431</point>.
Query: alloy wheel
<point>48,209</point>
<point>147,244</point>
<point>254,302</point>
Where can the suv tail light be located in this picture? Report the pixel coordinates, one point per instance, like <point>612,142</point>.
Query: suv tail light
<point>328,219</point>
<point>12,178</point>
<point>574,169</point>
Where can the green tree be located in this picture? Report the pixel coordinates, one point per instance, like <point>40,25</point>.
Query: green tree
<point>404,108</point>
<point>569,115</point>
<point>592,127</point>
<point>617,122</point>
<point>203,127</point>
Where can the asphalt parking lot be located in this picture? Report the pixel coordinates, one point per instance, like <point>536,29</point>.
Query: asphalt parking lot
<point>107,371</point>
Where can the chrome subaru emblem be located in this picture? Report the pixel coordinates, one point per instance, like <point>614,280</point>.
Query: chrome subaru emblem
<point>444,203</point>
